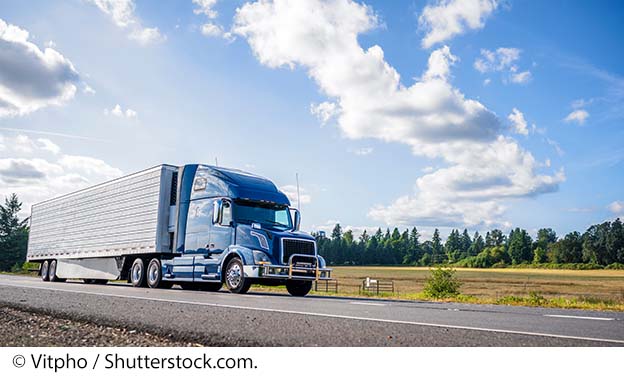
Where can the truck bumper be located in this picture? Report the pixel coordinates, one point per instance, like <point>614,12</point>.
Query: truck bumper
<point>300,267</point>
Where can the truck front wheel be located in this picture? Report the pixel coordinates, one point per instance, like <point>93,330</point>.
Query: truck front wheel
<point>137,273</point>
<point>235,277</point>
<point>298,287</point>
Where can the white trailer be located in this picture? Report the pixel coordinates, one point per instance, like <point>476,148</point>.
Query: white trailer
<point>88,233</point>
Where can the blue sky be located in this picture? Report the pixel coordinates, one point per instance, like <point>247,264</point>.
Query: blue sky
<point>505,113</point>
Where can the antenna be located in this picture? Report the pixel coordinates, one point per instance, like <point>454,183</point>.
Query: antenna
<point>298,199</point>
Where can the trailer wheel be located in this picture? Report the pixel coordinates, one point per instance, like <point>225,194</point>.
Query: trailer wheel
<point>298,287</point>
<point>235,277</point>
<point>45,270</point>
<point>137,273</point>
<point>52,272</point>
<point>154,275</point>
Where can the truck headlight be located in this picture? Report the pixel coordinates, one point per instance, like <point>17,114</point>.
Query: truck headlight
<point>260,257</point>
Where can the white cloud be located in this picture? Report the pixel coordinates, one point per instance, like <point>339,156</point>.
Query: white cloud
<point>324,111</point>
<point>211,28</point>
<point>521,77</point>
<point>431,116</point>
<point>42,171</point>
<point>556,146</point>
<point>496,61</point>
<point>205,7</point>
<point>291,192</point>
<point>119,112</point>
<point>444,19</point>
<point>617,207</point>
<point>518,122</point>
<point>579,116</point>
<point>365,151</point>
<point>31,79</point>
<point>146,35</point>
<point>48,145</point>
<point>88,90</point>
<point>503,59</point>
<point>122,12</point>
<point>487,82</point>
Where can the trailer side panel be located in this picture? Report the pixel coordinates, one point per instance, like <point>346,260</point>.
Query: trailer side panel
<point>128,215</point>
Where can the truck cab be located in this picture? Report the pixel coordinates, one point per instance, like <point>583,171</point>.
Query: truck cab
<point>235,228</point>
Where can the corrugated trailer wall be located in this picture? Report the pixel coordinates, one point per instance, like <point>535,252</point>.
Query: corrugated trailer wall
<point>128,215</point>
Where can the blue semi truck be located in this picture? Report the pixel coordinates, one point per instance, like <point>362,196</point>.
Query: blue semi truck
<point>196,226</point>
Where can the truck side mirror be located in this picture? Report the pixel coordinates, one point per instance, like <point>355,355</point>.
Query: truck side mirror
<point>296,218</point>
<point>216,211</point>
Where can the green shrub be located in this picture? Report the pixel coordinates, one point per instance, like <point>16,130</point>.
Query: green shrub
<point>442,283</point>
<point>615,266</point>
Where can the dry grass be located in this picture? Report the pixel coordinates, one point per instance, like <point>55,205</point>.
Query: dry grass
<point>587,289</point>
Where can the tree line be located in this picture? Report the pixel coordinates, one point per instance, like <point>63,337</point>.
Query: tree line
<point>601,245</point>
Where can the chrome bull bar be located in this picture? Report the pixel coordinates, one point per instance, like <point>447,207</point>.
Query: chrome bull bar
<point>294,271</point>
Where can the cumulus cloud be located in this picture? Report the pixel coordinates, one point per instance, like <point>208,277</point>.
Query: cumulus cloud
<point>122,13</point>
<point>42,171</point>
<point>291,192</point>
<point>518,122</point>
<point>444,19</point>
<point>577,116</point>
<point>211,28</point>
<point>119,112</point>
<point>503,59</point>
<point>431,116</point>
<point>30,78</point>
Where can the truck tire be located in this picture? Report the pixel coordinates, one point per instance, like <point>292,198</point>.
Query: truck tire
<point>298,288</point>
<point>154,275</point>
<point>235,277</point>
<point>45,270</point>
<point>137,273</point>
<point>52,272</point>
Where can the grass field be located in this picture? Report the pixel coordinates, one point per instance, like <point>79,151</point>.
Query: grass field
<point>588,289</point>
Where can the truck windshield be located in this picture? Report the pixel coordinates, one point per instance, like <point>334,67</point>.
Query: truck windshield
<point>267,214</point>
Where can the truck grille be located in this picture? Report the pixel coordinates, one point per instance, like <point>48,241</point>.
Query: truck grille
<point>292,246</point>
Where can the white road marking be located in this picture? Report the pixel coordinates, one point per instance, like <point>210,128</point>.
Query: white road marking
<point>366,303</point>
<point>579,317</point>
<point>321,314</point>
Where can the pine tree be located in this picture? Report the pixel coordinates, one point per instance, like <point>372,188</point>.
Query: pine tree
<point>436,246</point>
<point>13,234</point>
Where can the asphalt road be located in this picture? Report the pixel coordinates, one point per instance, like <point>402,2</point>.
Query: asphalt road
<point>261,319</point>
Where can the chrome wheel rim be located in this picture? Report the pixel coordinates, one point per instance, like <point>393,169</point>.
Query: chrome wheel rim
<point>136,273</point>
<point>45,270</point>
<point>52,270</point>
<point>234,275</point>
<point>153,273</point>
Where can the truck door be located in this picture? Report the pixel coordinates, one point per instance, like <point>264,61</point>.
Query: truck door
<point>196,240</point>
<point>209,241</point>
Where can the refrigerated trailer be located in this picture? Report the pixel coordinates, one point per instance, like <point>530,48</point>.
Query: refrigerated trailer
<point>197,226</point>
